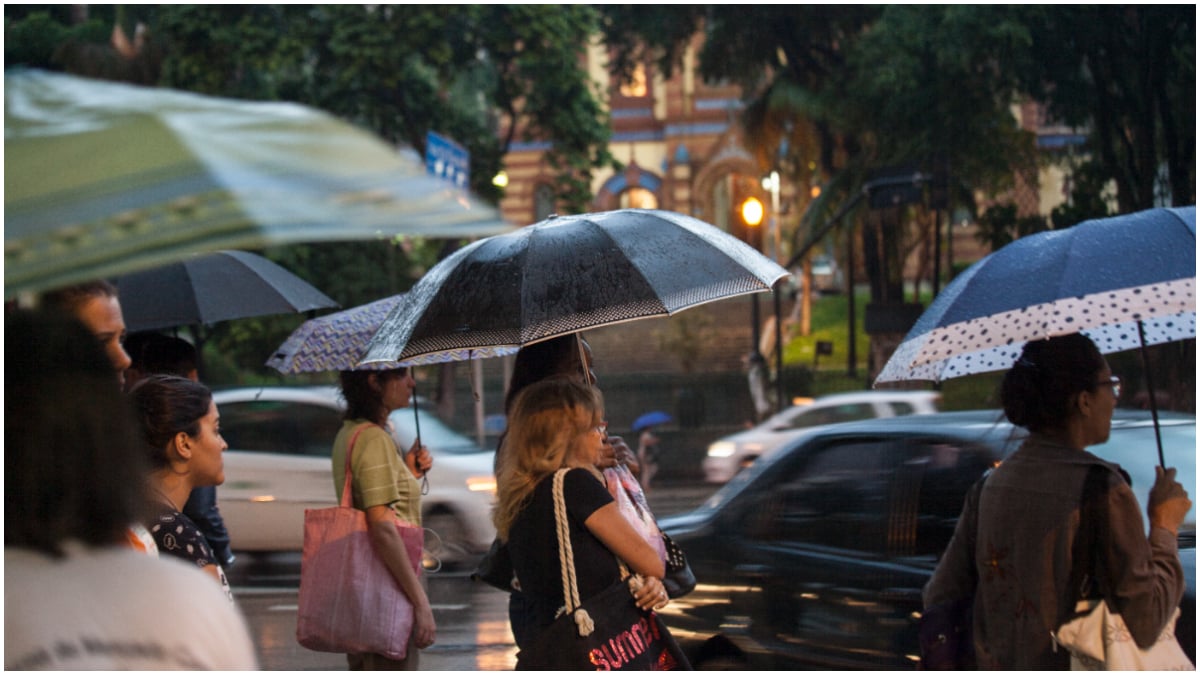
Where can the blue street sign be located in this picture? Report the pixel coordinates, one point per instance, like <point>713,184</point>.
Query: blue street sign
<point>446,159</point>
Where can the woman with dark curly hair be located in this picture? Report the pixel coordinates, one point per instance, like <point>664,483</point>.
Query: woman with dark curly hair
<point>386,485</point>
<point>1054,523</point>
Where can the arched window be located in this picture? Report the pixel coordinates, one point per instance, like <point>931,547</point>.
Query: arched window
<point>638,198</point>
<point>636,88</point>
<point>543,202</point>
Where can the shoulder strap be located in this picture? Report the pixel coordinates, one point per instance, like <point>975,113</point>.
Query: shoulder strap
<point>1085,548</point>
<point>347,497</point>
<point>566,558</point>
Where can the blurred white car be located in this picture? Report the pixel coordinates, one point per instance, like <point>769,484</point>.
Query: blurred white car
<point>732,453</point>
<point>278,465</point>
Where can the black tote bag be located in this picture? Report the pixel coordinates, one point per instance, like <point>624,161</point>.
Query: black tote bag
<point>608,631</point>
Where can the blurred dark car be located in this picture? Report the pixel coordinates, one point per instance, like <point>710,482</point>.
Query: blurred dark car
<point>815,557</point>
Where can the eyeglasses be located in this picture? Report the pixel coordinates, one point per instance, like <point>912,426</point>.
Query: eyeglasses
<point>1114,382</point>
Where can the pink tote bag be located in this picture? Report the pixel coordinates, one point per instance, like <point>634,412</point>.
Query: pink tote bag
<point>349,602</point>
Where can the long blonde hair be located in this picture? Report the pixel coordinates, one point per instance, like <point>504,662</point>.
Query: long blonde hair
<point>546,420</point>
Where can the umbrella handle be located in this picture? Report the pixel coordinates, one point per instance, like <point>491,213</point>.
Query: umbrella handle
<point>1150,391</point>
<point>417,419</point>
<point>587,376</point>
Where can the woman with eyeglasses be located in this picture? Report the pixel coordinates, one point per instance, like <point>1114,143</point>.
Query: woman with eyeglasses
<point>558,423</point>
<point>1053,523</point>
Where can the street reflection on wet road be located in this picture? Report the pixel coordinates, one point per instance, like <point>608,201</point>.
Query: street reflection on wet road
<point>472,620</point>
<point>472,617</point>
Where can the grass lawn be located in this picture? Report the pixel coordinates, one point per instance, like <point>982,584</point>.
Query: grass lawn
<point>829,324</point>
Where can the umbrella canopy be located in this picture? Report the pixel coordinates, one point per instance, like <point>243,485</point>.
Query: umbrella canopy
<point>1101,277</point>
<point>566,274</point>
<point>337,341</point>
<point>211,287</point>
<point>650,419</point>
<point>106,178</point>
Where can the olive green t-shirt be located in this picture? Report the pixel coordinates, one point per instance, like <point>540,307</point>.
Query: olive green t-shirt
<point>379,475</point>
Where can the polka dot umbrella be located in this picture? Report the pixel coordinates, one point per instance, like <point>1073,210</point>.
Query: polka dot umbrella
<point>1125,282</point>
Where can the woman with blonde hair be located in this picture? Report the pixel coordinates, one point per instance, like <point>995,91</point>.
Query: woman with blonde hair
<point>554,424</point>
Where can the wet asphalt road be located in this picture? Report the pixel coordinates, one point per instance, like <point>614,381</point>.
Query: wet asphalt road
<point>472,618</point>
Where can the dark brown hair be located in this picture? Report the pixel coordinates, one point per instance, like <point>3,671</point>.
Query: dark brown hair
<point>70,298</point>
<point>362,400</point>
<point>540,360</point>
<point>165,406</point>
<point>161,354</point>
<point>72,466</point>
<point>1037,391</point>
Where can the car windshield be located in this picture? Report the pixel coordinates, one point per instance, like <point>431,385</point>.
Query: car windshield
<point>1134,448</point>
<point>434,432</point>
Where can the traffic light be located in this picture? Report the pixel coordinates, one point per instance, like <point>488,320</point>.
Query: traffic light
<point>746,210</point>
<point>752,212</point>
<point>750,215</point>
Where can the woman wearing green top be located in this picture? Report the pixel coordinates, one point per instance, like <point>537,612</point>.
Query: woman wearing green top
<point>386,485</point>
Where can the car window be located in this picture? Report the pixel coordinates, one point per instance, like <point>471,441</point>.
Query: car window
<point>834,497</point>
<point>875,496</point>
<point>283,427</point>
<point>902,408</point>
<point>435,435</point>
<point>1135,449</point>
<point>846,412</point>
<point>942,472</point>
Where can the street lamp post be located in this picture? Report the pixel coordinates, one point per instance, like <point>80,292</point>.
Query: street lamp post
<point>751,213</point>
<point>771,184</point>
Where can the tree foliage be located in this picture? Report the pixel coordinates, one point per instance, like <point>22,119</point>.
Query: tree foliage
<point>484,75</point>
<point>1127,74</point>
<point>851,89</point>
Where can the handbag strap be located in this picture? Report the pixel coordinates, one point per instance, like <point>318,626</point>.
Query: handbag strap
<point>1086,547</point>
<point>347,497</point>
<point>566,559</point>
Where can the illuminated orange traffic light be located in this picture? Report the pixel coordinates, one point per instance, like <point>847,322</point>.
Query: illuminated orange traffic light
<point>752,211</point>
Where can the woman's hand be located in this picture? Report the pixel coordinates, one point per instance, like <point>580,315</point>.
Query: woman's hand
<point>424,629</point>
<point>1168,503</point>
<point>651,594</point>
<point>615,452</point>
<point>418,460</point>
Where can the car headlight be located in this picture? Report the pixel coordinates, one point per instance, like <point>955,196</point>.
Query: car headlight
<point>482,484</point>
<point>722,449</point>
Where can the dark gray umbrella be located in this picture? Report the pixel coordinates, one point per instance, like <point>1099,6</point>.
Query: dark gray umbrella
<point>204,289</point>
<point>567,274</point>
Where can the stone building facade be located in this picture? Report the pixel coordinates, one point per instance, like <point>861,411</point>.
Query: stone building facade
<point>681,143</point>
